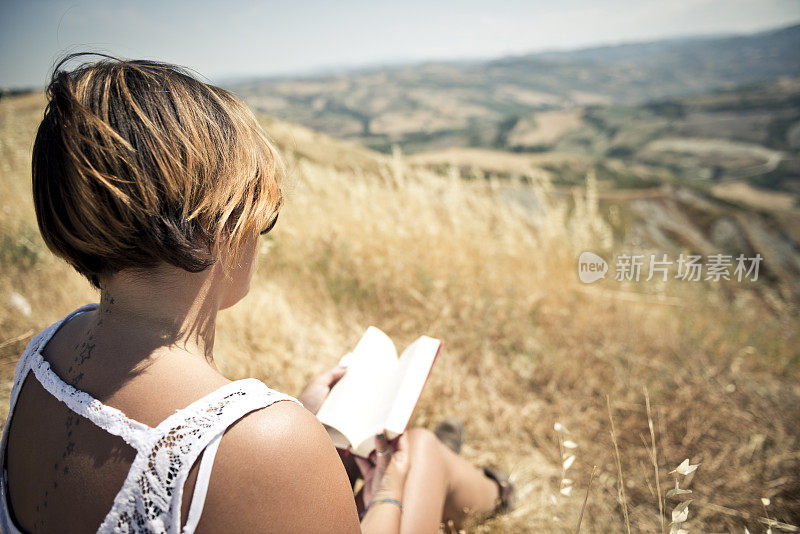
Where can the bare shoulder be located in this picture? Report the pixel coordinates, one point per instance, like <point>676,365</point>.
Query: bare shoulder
<point>277,471</point>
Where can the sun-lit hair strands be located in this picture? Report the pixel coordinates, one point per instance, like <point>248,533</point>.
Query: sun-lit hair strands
<point>138,162</point>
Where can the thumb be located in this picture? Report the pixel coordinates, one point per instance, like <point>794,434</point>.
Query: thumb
<point>400,458</point>
<point>382,453</point>
<point>333,375</point>
<point>402,445</point>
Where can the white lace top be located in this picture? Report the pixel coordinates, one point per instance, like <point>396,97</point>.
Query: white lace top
<point>150,499</point>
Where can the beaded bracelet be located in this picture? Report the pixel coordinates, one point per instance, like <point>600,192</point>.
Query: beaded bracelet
<point>377,501</point>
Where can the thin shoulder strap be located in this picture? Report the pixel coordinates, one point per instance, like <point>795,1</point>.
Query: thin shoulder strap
<point>34,346</point>
<point>258,396</point>
<point>20,373</point>
<point>106,417</point>
<point>153,491</point>
<point>201,486</point>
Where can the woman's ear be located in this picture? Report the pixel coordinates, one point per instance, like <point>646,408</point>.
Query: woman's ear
<point>236,281</point>
<point>270,225</point>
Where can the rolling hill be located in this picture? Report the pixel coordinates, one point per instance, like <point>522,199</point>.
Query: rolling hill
<point>474,103</point>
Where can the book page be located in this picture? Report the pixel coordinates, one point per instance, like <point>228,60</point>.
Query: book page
<point>358,404</point>
<point>412,372</point>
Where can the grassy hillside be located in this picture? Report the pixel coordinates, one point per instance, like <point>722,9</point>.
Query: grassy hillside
<point>536,363</point>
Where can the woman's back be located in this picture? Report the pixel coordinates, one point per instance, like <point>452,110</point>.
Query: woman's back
<point>75,463</point>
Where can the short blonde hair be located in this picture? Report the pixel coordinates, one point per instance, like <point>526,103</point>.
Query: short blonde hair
<point>137,163</point>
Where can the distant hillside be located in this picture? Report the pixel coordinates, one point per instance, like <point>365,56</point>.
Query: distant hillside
<point>751,133</point>
<point>703,62</point>
<point>474,103</point>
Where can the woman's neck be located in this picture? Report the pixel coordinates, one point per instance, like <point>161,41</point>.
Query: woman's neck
<point>170,309</point>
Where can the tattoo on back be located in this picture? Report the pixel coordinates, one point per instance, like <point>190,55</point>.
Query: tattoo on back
<point>74,375</point>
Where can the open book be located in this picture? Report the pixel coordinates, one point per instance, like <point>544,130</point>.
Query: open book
<point>379,391</point>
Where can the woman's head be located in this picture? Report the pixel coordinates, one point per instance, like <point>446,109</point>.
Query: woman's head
<point>137,164</point>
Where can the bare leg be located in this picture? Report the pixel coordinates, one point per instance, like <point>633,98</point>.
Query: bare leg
<point>441,485</point>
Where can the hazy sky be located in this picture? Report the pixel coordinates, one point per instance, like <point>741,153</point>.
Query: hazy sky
<point>235,38</point>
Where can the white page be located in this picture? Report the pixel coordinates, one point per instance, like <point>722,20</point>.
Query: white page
<point>412,372</point>
<point>358,404</point>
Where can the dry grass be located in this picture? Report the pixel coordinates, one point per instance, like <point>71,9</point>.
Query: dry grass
<point>525,347</point>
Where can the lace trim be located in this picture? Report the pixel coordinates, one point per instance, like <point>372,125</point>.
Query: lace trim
<point>150,499</point>
<point>106,417</point>
<point>39,340</point>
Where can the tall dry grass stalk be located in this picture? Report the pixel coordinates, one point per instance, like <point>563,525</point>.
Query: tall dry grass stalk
<point>654,457</point>
<point>367,239</point>
<point>623,501</point>
<point>585,500</point>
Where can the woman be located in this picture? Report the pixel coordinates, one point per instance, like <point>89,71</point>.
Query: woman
<point>155,187</point>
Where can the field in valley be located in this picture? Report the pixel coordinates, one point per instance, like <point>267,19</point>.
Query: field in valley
<point>554,378</point>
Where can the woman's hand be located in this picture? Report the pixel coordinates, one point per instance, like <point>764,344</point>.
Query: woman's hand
<point>387,477</point>
<point>319,387</point>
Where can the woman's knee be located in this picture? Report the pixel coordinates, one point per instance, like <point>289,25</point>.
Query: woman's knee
<point>420,436</point>
<point>423,442</point>
<point>427,458</point>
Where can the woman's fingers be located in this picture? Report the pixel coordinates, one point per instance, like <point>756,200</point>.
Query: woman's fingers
<point>401,455</point>
<point>393,476</point>
<point>382,453</point>
<point>365,466</point>
<point>315,392</point>
<point>400,461</point>
<point>333,375</point>
<point>387,476</point>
